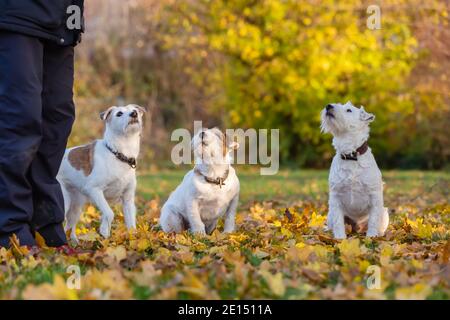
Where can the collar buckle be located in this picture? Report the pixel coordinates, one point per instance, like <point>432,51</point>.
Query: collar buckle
<point>122,158</point>
<point>220,181</point>
<point>358,152</point>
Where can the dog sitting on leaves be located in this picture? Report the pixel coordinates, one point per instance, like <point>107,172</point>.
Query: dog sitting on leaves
<point>208,192</point>
<point>355,182</point>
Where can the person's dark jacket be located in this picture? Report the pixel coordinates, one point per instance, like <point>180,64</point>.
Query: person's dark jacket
<point>45,19</point>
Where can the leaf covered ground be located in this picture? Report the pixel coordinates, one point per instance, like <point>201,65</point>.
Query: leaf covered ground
<point>279,250</point>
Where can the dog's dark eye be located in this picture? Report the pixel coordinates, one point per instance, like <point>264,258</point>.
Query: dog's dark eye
<point>349,110</point>
<point>119,114</point>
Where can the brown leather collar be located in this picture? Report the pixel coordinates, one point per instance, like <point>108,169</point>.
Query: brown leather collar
<point>220,181</point>
<point>123,158</point>
<point>358,152</point>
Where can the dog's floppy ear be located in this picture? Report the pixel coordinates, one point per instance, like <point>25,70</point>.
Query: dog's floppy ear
<point>234,145</point>
<point>105,114</point>
<point>230,142</point>
<point>142,110</point>
<point>365,116</point>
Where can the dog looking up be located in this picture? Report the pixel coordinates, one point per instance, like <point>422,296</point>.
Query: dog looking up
<point>355,183</point>
<point>104,170</point>
<point>208,192</point>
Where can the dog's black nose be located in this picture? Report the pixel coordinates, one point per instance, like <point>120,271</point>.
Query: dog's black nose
<point>202,134</point>
<point>329,107</point>
<point>134,114</point>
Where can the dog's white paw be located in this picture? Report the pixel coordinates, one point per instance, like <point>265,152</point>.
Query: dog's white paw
<point>74,238</point>
<point>228,229</point>
<point>105,228</point>
<point>132,226</point>
<point>199,230</point>
<point>372,234</point>
<point>338,235</point>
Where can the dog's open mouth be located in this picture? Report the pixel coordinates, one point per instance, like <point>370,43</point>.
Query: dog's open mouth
<point>329,114</point>
<point>133,121</point>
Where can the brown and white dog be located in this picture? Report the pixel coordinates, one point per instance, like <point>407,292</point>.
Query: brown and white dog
<point>104,170</point>
<point>208,192</point>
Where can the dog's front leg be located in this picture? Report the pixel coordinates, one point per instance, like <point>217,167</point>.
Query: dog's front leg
<point>230,215</point>
<point>195,221</point>
<point>99,200</point>
<point>129,207</point>
<point>376,226</point>
<point>336,217</point>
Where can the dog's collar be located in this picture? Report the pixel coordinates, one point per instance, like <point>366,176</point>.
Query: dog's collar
<point>121,157</point>
<point>220,181</point>
<point>358,152</point>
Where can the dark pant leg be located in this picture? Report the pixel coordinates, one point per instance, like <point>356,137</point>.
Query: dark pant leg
<point>58,114</point>
<point>20,131</point>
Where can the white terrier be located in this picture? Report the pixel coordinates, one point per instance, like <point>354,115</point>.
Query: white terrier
<point>355,183</point>
<point>208,192</point>
<point>104,170</point>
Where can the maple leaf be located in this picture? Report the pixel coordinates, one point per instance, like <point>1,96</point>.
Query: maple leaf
<point>16,248</point>
<point>115,254</point>
<point>317,220</point>
<point>349,248</point>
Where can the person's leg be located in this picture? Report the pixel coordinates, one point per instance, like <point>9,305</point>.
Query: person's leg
<point>20,131</point>
<point>58,113</point>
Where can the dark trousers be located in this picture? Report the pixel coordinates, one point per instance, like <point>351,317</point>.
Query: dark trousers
<point>36,117</point>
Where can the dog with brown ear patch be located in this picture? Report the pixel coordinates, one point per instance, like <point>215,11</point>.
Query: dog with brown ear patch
<point>104,171</point>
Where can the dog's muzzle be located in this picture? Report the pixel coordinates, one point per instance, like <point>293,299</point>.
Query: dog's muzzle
<point>329,112</point>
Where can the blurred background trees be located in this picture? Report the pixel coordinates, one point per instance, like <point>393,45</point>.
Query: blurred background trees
<point>271,64</point>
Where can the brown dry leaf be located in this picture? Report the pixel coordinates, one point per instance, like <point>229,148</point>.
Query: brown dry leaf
<point>59,290</point>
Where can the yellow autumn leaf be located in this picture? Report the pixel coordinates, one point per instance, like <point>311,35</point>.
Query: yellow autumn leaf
<point>286,232</point>
<point>194,285</point>
<point>349,248</point>
<point>385,255</point>
<point>40,240</point>
<point>143,244</point>
<point>91,210</point>
<point>277,223</point>
<point>417,292</point>
<point>317,220</point>
<point>275,282</point>
<point>421,229</point>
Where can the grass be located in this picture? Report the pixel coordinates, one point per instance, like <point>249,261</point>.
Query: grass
<point>290,186</point>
